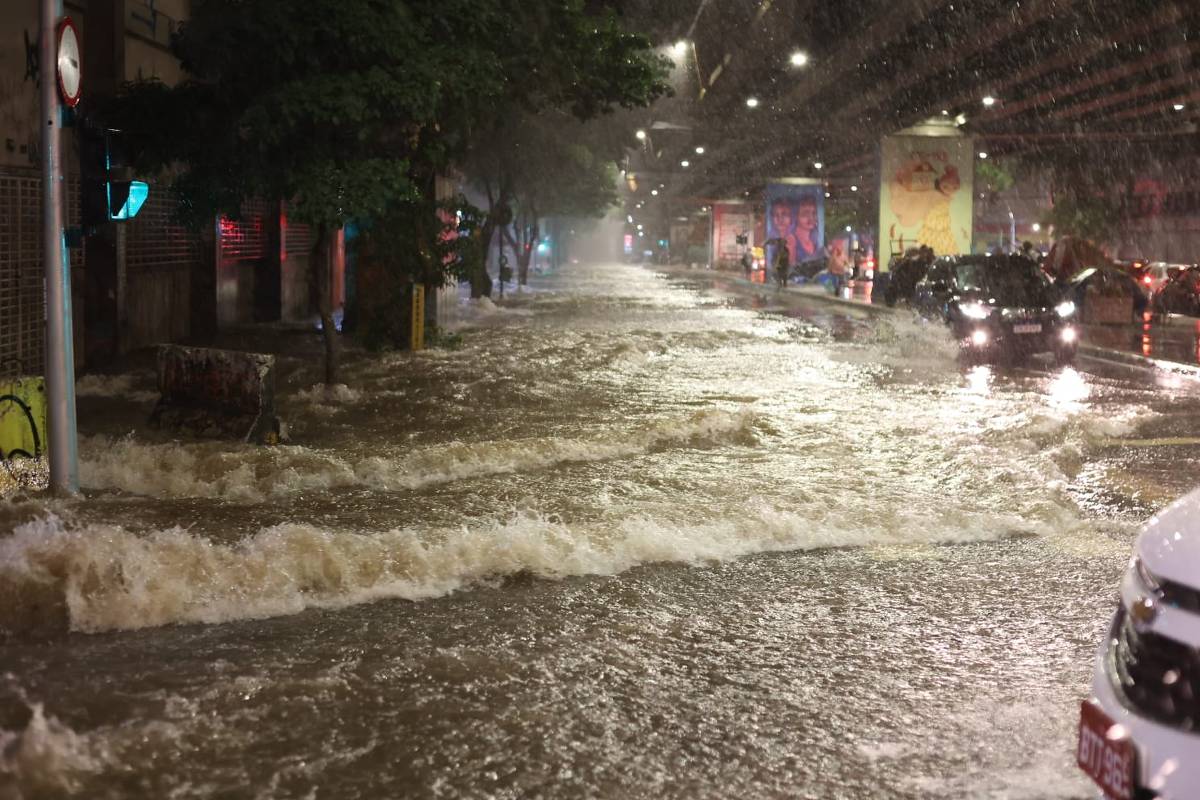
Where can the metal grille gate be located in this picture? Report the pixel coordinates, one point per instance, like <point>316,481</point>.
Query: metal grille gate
<point>22,284</point>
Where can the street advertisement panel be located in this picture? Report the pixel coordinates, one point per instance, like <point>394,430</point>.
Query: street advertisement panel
<point>925,195</point>
<point>729,221</point>
<point>795,219</point>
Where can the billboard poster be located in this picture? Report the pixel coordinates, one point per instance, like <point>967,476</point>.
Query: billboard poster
<point>729,221</point>
<point>795,219</point>
<point>925,194</point>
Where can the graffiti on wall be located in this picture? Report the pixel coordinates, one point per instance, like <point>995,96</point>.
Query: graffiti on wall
<point>32,60</point>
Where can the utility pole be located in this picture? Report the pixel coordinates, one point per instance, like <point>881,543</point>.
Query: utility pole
<point>63,447</point>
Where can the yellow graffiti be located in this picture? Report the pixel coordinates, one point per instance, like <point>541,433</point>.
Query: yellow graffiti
<point>23,418</point>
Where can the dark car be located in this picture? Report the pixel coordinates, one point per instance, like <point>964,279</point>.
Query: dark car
<point>1179,294</point>
<point>906,271</point>
<point>1001,305</point>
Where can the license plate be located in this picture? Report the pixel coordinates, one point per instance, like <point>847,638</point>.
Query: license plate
<point>1028,327</point>
<point>1106,752</point>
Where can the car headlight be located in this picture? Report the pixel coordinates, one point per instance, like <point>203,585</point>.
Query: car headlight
<point>1145,576</point>
<point>1065,309</point>
<point>975,310</point>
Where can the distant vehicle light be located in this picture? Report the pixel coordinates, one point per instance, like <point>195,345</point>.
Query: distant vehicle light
<point>1146,279</point>
<point>1069,335</point>
<point>975,311</point>
<point>1065,309</point>
<point>979,338</point>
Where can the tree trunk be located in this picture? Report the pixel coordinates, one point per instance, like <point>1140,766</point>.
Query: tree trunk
<point>526,254</point>
<point>321,262</point>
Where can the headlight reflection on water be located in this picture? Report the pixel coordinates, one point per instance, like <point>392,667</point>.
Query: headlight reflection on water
<point>1069,387</point>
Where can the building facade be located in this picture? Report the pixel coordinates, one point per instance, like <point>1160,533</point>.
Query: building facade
<point>148,280</point>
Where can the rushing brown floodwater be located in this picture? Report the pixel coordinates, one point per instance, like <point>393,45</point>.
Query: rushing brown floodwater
<point>634,537</point>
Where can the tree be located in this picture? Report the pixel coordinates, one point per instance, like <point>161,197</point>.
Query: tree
<point>548,164</point>
<point>349,109</point>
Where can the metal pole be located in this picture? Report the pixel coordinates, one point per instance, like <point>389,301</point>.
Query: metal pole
<point>60,357</point>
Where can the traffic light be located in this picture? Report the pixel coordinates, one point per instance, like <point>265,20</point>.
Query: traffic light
<point>106,194</point>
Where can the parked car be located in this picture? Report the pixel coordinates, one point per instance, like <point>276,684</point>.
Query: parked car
<point>806,270</point>
<point>1180,294</point>
<point>999,306</point>
<point>1139,733</point>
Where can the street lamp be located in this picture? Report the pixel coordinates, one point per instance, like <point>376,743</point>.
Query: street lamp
<point>752,102</point>
<point>818,165</point>
<point>679,48</point>
<point>799,58</point>
<point>699,151</point>
<point>641,135</point>
<point>685,163</point>
<point>983,155</point>
<point>989,101</point>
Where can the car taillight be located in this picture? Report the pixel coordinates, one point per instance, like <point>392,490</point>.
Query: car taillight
<point>1147,280</point>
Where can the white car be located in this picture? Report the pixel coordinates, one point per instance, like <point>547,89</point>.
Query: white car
<point>1139,734</point>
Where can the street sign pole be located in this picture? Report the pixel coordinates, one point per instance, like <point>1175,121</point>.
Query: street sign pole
<point>60,357</point>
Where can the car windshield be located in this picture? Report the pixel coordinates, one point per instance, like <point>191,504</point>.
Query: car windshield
<point>1012,282</point>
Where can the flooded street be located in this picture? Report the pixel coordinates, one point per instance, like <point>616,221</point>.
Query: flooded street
<point>625,534</point>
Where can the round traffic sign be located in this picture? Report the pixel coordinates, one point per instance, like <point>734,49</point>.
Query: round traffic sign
<point>70,65</point>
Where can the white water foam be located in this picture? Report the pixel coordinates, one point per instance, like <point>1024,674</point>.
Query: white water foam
<point>103,577</point>
<point>322,393</point>
<point>254,475</point>
<point>46,758</point>
<point>113,386</point>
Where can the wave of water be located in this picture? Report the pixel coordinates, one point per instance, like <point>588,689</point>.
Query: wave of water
<point>46,758</point>
<point>254,474</point>
<point>98,577</point>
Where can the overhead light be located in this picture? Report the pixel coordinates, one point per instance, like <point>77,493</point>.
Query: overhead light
<point>680,47</point>
<point>799,58</point>
<point>685,163</point>
<point>960,119</point>
<point>989,101</point>
<point>1178,106</point>
<point>640,134</point>
<point>641,233</point>
<point>752,102</point>
<point>699,151</point>
<point>854,188</point>
<point>639,205</point>
<point>629,218</point>
<point>640,226</point>
<point>827,194</point>
<point>654,192</point>
<point>817,165</point>
<point>847,229</point>
<point>982,154</point>
<point>1035,227</point>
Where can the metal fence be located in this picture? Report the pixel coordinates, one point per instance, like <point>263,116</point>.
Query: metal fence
<point>22,284</point>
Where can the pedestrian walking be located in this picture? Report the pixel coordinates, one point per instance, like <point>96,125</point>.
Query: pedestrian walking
<point>782,260</point>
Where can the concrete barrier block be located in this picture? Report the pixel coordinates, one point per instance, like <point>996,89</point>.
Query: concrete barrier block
<point>217,394</point>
